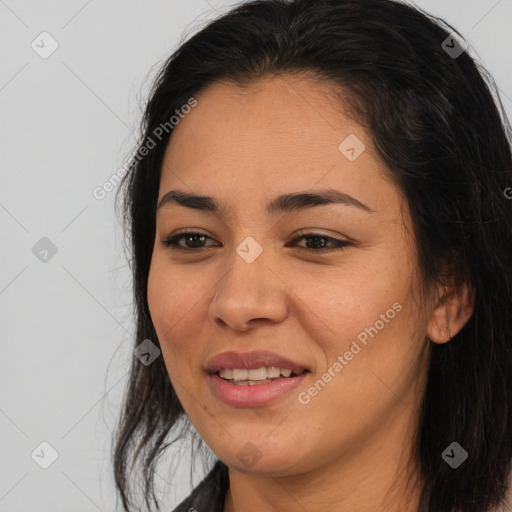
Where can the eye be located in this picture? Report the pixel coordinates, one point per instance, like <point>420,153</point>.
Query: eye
<point>195,240</point>
<point>319,241</point>
<point>192,237</point>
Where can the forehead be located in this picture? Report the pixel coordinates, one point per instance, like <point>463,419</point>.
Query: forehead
<point>285,133</point>
<point>295,110</point>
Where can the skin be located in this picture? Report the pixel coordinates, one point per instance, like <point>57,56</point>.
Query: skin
<point>349,448</point>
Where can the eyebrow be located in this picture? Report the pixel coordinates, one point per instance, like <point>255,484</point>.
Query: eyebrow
<point>281,204</point>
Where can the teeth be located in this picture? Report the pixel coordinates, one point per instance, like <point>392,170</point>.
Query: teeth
<point>255,374</point>
<point>273,372</point>
<point>227,374</point>
<point>240,374</point>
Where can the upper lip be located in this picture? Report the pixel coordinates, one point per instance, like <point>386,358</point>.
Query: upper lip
<point>251,360</point>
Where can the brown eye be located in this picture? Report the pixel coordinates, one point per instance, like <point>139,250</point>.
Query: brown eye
<point>193,240</point>
<point>319,242</point>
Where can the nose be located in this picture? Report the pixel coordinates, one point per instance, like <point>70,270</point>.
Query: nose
<point>249,294</point>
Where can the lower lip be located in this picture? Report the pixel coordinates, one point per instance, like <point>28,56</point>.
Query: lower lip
<point>253,396</point>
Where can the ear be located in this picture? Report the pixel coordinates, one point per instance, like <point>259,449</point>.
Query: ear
<point>453,308</point>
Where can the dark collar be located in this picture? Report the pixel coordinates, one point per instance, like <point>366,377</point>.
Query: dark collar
<point>209,495</point>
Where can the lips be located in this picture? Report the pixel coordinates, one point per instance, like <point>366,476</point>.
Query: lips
<point>253,393</point>
<point>252,360</point>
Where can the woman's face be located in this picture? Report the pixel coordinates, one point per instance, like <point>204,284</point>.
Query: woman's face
<point>353,318</point>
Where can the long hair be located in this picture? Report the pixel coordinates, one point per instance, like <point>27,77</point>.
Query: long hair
<point>435,117</point>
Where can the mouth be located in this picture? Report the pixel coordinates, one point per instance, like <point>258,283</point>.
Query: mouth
<point>257,376</point>
<point>253,379</point>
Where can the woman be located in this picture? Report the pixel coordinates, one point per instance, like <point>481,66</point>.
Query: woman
<point>322,247</point>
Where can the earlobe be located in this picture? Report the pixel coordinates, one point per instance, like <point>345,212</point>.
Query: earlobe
<point>453,310</point>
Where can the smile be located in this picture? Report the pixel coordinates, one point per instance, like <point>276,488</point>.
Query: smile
<point>250,377</point>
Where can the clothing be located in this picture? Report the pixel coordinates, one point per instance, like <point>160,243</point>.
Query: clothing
<point>210,493</point>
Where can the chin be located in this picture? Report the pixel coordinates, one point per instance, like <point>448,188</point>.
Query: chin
<point>250,459</point>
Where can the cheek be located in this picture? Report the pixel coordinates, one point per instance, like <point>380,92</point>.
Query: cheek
<point>171,294</point>
<point>175,304</point>
<point>351,302</point>
<point>160,300</point>
<point>167,301</point>
<point>373,323</point>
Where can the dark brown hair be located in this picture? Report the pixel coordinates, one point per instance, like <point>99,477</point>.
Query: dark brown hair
<point>438,124</point>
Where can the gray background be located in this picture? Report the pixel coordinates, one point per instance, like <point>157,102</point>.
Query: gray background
<point>68,122</point>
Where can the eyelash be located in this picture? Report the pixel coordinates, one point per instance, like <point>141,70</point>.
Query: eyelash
<point>172,242</point>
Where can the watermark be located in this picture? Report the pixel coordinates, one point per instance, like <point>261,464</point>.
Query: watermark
<point>101,192</point>
<point>44,250</point>
<point>249,455</point>
<point>508,192</point>
<point>44,455</point>
<point>146,352</point>
<point>454,46</point>
<point>44,45</point>
<point>174,120</point>
<point>109,185</point>
<point>454,455</point>
<point>352,147</point>
<point>341,361</point>
<point>249,249</point>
